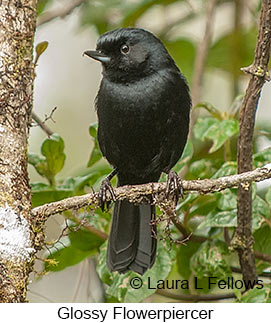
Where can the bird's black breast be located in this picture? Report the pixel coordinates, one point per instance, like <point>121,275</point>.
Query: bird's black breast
<point>143,125</point>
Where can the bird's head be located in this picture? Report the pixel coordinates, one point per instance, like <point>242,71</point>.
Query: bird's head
<point>128,54</point>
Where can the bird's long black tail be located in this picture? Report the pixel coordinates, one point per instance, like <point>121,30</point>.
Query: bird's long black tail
<point>132,241</point>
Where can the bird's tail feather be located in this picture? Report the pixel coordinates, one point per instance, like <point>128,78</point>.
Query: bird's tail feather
<point>132,241</point>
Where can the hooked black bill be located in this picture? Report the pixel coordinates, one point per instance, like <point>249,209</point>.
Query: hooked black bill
<point>97,55</point>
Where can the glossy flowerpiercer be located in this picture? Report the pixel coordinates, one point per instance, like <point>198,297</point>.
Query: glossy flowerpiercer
<point>143,108</point>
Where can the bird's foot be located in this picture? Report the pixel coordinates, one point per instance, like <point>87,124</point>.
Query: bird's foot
<point>174,185</point>
<point>105,188</point>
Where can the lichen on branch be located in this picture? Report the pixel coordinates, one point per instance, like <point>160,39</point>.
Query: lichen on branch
<point>140,193</point>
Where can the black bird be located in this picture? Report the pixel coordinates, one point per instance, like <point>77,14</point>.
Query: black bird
<point>143,108</point>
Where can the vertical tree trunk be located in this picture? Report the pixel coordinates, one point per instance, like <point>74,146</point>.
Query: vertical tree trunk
<point>17,27</point>
<point>243,238</point>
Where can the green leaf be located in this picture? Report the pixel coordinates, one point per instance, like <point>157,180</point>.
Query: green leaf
<point>186,156</point>
<point>262,239</point>
<point>203,168</point>
<point>262,244</point>
<point>237,293</point>
<point>202,126</point>
<point>135,11</point>
<point>40,48</point>
<point>53,149</point>
<point>101,220</point>
<point>260,211</point>
<point>96,154</point>
<point>93,178</point>
<point>211,109</point>
<point>227,200</point>
<point>105,275</point>
<point>227,169</point>
<point>66,257</point>
<point>138,8</point>
<point>43,193</point>
<point>228,218</point>
<point>256,295</point>
<point>84,240</point>
<point>220,132</point>
<point>183,53</point>
<point>219,219</point>
<point>205,204</point>
<point>98,14</point>
<point>208,260</point>
<point>187,201</point>
<point>184,254</point>
<point>52,160</point>
<point>42,5</point>
<point>262,158</point>
<point>39,162</point>
<point>224,56</point>
<point>120,287</point>
<point>82,244</point>
<point>268,197</point>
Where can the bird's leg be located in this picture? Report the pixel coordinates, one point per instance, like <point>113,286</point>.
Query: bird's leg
<point>174,184</point>
<point>107,187</point>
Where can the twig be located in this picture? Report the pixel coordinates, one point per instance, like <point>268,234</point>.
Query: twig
<point>243,239</point>
<point>227,237</point>
<point>140,193</point>
<point>164,33</point>
<point>202,52</point>
<point>50,117</point>
<point>262,256</point>
<point>197,238</point>
<point>42,124</point>
<point>186,234</point>
<point>61,12</point>
<point>194,298</point>
<point>236,44</point>
<point>90,228</point>
<point>239,271</point>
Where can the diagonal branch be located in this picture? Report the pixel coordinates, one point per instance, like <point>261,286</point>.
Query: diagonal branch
<point>202,51</point>
<point>42,124</point>
<point>262,256</point>
<point>140,193</point>
<point>61,12</point>
<point>243,239</point>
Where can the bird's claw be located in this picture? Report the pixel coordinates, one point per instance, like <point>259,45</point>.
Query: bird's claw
<point>174,185</point>
<point>105,188</point>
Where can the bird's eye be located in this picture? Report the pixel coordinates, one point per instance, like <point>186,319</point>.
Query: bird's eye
<point>125,49</point>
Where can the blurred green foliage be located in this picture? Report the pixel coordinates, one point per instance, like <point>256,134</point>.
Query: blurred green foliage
<point>211,154</point>
<point>42,5</point>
